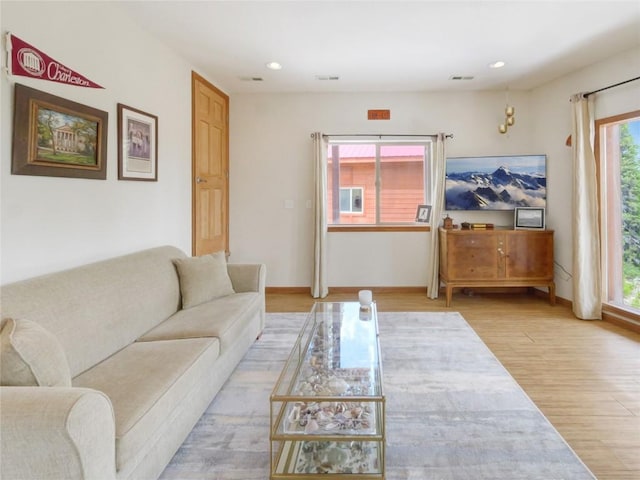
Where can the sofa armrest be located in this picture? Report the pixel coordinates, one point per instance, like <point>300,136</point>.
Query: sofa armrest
<point>51,432</point>
<point>247,277</point>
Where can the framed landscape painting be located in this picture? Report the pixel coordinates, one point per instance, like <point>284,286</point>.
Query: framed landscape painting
<point>496,183</point>
<point>55,137</point>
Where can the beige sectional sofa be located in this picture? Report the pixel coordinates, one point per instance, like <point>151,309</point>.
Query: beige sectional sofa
<point>107,367</point>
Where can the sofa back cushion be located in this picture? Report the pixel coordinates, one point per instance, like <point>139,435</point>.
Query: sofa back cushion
<point>97,309</point>
<point>31,356</point>
<point>203,278</point>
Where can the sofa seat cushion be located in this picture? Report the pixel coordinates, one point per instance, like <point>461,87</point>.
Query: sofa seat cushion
<point>224,318</point>
<point>145,382</point>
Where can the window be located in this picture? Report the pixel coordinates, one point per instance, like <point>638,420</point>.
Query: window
<point>376,183</point>
<point>351,200</point>
<point>618,154</point>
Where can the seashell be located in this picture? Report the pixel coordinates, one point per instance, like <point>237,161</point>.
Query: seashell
<point>338,385</point>
<point>322,390</point>
<point>311,426</point>
<point>332,426</point>
<point>323,416</point>
<point>336,456</point>
<point>294,414</point>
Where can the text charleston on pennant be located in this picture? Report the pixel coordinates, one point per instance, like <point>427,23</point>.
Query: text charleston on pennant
<point>28,61</point>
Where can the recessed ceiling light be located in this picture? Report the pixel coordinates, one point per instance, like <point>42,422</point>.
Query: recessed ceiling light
<point>274,66</point>
<point>498,64</point>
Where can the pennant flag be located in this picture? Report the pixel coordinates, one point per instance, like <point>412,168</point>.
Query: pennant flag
<point>28,61</point>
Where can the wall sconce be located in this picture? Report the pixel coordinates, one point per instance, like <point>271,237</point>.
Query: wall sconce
<point>509,120</point>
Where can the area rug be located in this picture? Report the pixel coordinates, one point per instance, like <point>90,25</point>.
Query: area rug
<point>453,411</point>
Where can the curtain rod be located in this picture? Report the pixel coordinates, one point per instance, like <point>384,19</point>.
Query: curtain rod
<point>380,135</point>
<point>611,86</point>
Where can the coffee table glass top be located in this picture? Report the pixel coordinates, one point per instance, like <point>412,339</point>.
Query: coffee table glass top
<point>336,355</point>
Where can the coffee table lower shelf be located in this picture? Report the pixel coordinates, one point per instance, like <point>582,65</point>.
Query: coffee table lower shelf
<point>357,459</point>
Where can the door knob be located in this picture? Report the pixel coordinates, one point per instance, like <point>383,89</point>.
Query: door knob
<point>200,180</point>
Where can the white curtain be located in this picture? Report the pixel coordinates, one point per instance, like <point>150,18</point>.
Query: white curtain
<point>437,196</point>
<point>319,287</point>
<point>587,281</point>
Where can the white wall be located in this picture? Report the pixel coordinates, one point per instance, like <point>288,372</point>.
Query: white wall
<point>271,161</point>
<point>552,124</point>
<point>54,223</point>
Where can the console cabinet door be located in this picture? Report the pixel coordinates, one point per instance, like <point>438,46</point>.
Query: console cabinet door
<point>529,255</point>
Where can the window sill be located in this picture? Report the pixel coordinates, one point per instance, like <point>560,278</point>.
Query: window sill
<point>379,228</point>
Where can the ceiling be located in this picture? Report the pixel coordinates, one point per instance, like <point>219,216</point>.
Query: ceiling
<point>389,46</point>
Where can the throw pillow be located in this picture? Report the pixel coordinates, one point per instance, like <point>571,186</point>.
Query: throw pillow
<point>203,278</point>
<point>30,355</point>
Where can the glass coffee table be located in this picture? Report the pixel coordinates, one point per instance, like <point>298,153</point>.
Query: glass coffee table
<point>328,405</point>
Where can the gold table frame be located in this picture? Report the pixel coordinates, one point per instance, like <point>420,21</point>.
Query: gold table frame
<point>333,378</point>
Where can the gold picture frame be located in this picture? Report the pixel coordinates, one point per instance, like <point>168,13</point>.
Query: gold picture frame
<point>56,137</point>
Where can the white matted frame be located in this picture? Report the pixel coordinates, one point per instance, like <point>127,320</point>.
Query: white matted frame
<point>529,218</point>
<point>137,145</point>
<point>423,214</point>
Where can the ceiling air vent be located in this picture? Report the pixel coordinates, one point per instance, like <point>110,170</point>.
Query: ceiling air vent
<point>327,77</point>
<point>461,77</point>
<point>251,79</point>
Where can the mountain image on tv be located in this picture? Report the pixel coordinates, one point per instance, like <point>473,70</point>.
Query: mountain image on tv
<point>495,183</point>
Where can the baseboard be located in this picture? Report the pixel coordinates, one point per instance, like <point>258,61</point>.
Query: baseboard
<point>610,314</point>
<point>379,289</point>
<point>287,290</point>
<point>299,290</point>
<point>621,318</point>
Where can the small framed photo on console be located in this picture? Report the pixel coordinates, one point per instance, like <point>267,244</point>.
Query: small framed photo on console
<point>529,218</point>
<point>423,214</point>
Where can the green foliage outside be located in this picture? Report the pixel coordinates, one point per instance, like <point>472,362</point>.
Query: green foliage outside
<point>630,191</point>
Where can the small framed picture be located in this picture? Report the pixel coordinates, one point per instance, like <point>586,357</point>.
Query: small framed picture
<point>530,218</point>
<point>137,145</point>
<point>423,214</point>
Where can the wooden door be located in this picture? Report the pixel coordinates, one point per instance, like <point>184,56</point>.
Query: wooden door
<point>210,172</point>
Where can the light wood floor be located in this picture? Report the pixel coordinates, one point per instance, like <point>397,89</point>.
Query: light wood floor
<point>583,375</point>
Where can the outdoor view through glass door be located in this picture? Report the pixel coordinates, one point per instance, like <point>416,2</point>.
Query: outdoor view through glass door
<point>618,154</point>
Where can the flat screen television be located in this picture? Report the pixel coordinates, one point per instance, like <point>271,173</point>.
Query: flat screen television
<point>496,183</point>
